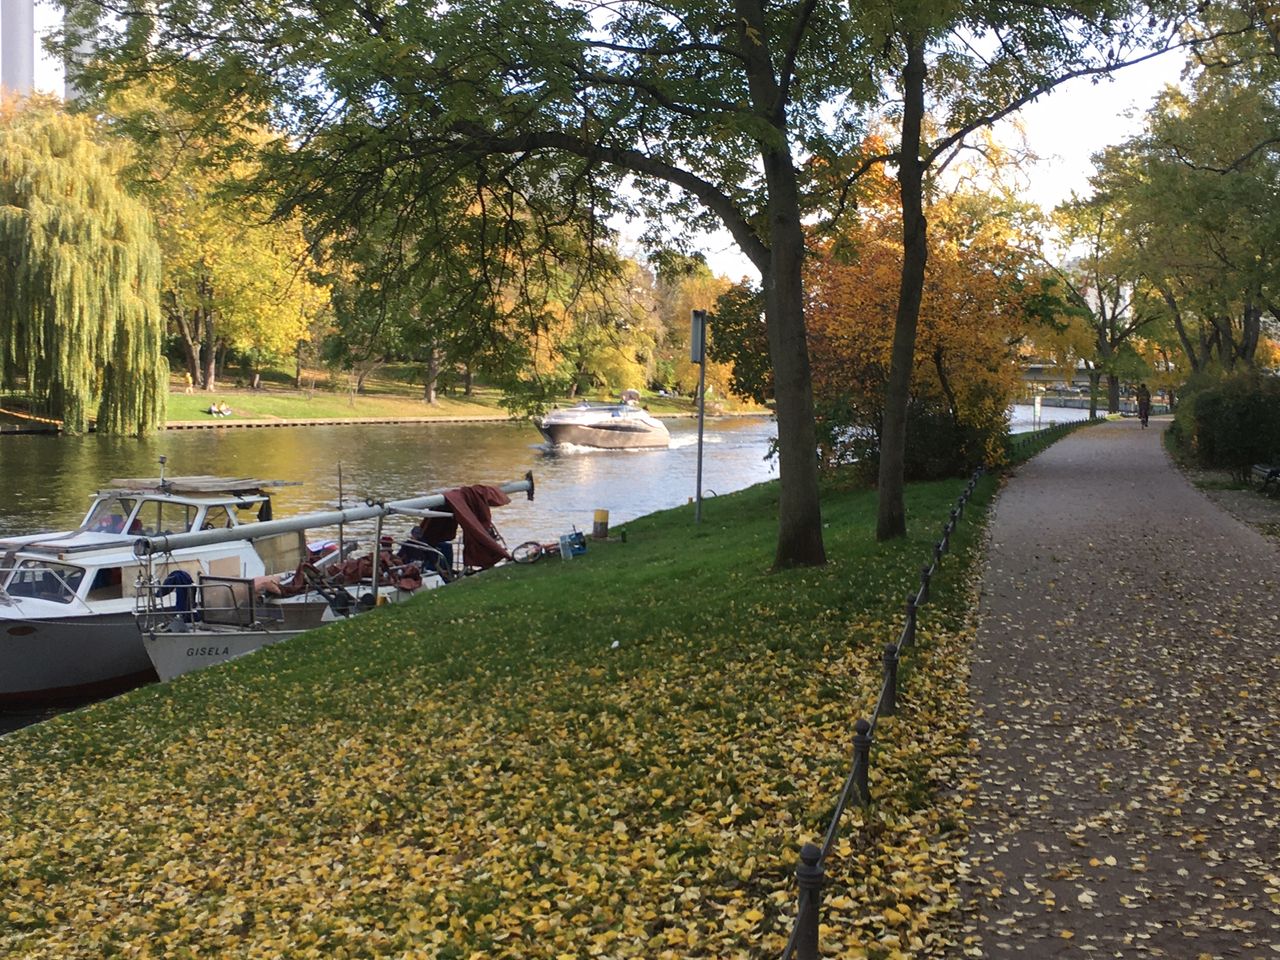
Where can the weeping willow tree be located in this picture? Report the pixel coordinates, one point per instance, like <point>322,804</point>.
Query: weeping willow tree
<point>80,320</point>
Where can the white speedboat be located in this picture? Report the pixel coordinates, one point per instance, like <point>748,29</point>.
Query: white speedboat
<point>72,603</point>
<point>617,426</point>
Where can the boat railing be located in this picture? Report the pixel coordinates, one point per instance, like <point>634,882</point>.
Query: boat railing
<point>212,600</point>
<point>232,602</point>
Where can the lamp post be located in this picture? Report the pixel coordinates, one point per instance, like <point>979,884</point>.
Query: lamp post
<point>698,354</point>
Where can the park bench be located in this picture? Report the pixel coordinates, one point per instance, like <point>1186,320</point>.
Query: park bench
<point>1269,477</point>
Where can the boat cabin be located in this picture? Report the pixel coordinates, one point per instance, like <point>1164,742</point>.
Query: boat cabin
<point>55,566</point>
<point>151,507</point>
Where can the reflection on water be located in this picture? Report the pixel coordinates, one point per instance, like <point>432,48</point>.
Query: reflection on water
<point>45,482</point>
<point>1023,419</point>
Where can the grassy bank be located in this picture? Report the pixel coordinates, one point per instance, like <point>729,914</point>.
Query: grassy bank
<point>392,394</point>
<point>616,756</point>
<point>282,404</point>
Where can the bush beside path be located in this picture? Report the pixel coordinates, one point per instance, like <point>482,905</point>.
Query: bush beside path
<point>1127,725</point>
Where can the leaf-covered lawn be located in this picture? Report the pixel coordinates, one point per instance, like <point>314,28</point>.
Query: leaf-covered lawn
<point>616,756</point>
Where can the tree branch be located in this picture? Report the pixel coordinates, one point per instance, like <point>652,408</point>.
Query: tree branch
<point>633,161</point>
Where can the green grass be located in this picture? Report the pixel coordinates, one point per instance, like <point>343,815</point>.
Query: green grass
<point>281,404</point>
<point>550,753</point>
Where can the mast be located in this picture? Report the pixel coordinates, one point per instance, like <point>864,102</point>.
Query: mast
<point>149,546</point>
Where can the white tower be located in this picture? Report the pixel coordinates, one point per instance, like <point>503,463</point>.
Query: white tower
<point>17,46</point>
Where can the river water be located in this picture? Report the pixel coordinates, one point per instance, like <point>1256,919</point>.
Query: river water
<point>1023,419</point>
<point>45,481</point>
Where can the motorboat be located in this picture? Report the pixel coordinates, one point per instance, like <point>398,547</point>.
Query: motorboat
<point>71,601</point>
<point>67,598</point>
<point>614,426</point>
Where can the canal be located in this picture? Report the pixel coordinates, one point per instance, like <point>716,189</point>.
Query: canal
<point>46,481</point>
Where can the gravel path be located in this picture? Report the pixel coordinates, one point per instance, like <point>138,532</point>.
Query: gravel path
<point>1127,720</point>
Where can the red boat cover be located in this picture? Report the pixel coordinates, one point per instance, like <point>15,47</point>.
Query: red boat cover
<point>472,510</point>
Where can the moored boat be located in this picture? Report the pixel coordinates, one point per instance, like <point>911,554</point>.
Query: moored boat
<point>67,598</point>
<point>187,626</point>
<point>615,426</point>
<point>70,600</point>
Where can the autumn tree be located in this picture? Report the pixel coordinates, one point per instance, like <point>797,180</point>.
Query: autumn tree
<point>234,277</point>
<point>1197,192</point>
<point>971,314</point>
<point>955,69</point>
<point>1103,289</point>
<point>599,331</point>
<point>685,284</point>
<point>80,319</point>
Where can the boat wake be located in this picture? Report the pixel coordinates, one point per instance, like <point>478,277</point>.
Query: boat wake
<point>691,440</point>
<point>575,450</point>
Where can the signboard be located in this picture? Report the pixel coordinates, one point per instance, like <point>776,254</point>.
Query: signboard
<point>698,336</point>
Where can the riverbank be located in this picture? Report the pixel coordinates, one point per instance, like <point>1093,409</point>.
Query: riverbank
<point>280,407</point>
<point>618,754</point>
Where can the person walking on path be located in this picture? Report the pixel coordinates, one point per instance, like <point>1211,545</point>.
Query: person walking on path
<point>1144,404</point>
<point>1126,717</point>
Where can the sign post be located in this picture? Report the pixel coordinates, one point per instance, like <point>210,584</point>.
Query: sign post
<point>698,354</point>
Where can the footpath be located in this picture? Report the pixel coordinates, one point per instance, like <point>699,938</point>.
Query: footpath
<point>1126,684</point>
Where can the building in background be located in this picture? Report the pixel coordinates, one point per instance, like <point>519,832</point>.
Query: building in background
<point>25,67</point>
<point>18,46</point>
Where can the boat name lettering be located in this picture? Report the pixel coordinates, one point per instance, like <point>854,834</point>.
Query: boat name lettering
<point>208,651</point>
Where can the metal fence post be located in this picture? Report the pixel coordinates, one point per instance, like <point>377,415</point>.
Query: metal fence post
<point>889,705</point>
<point>925,573</point>
<point>810,877</point>
<point>909,636</point>
<point>938,551</point>
<point>862,761</point>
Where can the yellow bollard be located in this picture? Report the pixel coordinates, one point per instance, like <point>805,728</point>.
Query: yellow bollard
<point>600,529</point>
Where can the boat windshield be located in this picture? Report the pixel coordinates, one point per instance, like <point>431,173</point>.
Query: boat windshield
<point>109,515</point>
<point>45,581</point>
<point>161,517</point>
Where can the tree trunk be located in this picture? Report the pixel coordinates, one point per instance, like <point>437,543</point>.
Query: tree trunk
<point>1095,379</point>
<point>1251,321</point>
<point>799,505</point>
<point>1113,393</point>
<point>208,352</point>
<point>892,517</point>
<point>186,333</point>
<point>468,381</point>
<point>433,376</point>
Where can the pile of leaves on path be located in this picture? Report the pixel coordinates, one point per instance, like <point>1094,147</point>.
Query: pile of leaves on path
<point>617,757</point>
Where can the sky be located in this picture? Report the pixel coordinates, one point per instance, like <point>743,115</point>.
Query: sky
<point>1065,128</point>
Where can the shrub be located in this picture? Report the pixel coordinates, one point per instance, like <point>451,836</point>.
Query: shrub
<point>938,445</point>
<point>1234,423</point>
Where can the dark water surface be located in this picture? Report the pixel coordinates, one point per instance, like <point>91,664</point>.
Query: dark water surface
<point>46,481</point>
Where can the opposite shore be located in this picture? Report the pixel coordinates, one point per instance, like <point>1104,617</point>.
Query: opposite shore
<point>276,408</point>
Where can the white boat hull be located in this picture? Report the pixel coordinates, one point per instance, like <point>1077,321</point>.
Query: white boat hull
<point>174,653</point>
<point>608,428</point>
<point>46,661</point>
